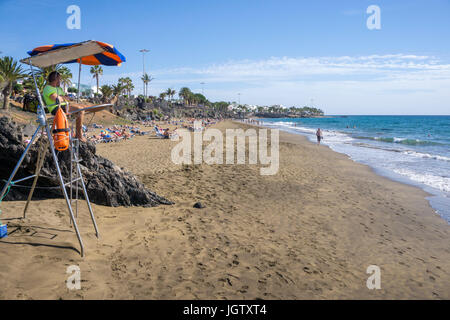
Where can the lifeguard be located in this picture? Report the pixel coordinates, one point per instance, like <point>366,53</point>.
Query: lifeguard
<point>54,96</point>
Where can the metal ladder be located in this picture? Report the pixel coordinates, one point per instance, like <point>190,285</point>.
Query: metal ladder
<point>76,178</point>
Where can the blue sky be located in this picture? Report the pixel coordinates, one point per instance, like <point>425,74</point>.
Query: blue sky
<point>272,52</point>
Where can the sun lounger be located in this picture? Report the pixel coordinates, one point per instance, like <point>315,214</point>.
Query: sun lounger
<point>159,134</point>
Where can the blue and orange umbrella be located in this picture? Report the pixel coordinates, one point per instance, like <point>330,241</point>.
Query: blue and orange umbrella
<point>110,56</point>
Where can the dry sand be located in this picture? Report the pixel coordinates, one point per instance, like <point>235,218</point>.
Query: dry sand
<point>308,232</point>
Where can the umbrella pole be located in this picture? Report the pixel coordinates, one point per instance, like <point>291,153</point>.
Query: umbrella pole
<point>79,75</point>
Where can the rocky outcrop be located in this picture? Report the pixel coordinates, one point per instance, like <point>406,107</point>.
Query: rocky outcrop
<point>106,183</point>
<point>136,109</point>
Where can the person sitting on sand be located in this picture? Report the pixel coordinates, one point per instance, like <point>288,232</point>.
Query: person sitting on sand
<point>125,134</point>
<point>166,133</point>
<point>94,138</point>
<point>54,94</point>
<point>319,135</point>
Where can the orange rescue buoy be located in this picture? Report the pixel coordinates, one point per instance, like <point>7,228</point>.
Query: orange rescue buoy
<point>60,131</point>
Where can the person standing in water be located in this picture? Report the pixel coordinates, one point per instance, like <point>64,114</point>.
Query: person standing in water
<point>319,135</point>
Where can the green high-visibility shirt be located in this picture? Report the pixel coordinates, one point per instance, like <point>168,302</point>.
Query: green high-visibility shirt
<point>48,91</point>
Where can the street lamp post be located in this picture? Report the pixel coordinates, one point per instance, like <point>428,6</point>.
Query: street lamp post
<point>239,98</point>
<point>144,51</point>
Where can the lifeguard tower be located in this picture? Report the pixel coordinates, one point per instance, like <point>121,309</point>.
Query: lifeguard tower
<point>84,53</point>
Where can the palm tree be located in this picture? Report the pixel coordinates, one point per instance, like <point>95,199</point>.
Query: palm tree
<point>117,89</point>
<point>185,93</point>
<point>192,99</point>
<point>17,88</point>
<point>121,81</point>
<point>146,79</point>
<point>66,75</point>
<point>107,92</point>
<point>199,98</point>
<point>96,71</point>
<point>42,76</point>
<point>1,81</point>
<point>163,95</point>
<point>127,84</point>
<point>28,83</point>
<point>10,72</point>
<point>170,93</point>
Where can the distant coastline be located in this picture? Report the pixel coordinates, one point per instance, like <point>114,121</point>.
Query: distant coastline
<point>284,115</point>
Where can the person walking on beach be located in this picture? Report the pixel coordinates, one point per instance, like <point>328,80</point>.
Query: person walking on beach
<point>319,135</point>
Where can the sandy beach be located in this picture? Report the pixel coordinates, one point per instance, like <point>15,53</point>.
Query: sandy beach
<point>308,232</point>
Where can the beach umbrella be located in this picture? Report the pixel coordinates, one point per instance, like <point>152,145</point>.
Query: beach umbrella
<point>88,53</point>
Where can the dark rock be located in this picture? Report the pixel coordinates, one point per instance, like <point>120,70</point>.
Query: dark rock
<point>199,205</point>
<point>28,130</point>
<point>106,183</point>
<point>137,109</point>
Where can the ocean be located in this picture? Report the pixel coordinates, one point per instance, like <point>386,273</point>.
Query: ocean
<point>409,149</point>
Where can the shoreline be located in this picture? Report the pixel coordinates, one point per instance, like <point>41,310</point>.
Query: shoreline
<point>373,170</point>
<point>308,232</point>
<point>435,197</point>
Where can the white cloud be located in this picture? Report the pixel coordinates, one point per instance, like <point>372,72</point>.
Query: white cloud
<point>392,83</point>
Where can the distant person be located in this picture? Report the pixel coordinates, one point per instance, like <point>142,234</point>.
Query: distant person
<point>319,135</point>
<point>166,133</point>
